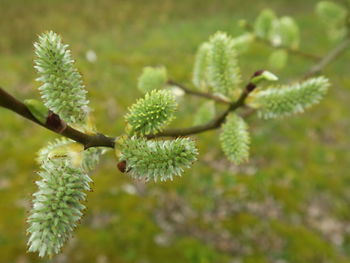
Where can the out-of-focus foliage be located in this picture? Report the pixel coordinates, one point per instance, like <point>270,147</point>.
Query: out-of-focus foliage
<point>152,78</point>
<point>286,204</point>
<point>200,69</point>
<point>235,139</point>
<point>278,59</point>
<point>281,32</point>
<point>264,23</point>
<point>334,16</point>
<point>205,113</point>
<point>223,72</point>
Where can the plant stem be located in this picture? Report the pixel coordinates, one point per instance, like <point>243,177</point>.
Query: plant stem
<point>296,52</point>
<point>211,125</point>
<point>100,140</point>
<point>198,93</point>
<point>329,57</point>
<point>94,140</point>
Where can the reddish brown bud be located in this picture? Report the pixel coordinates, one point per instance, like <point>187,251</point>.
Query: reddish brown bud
<point>250,87</point>
<point>55,123</point>
<point>258,73</point>
<point>122,166</point>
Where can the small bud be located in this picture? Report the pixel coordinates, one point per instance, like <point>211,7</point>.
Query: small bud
<point>37,109</point>
<point>122,166</point>
<point>54,122</point>
<point>262,75</point>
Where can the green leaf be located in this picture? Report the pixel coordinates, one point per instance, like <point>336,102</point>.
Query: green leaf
<point>151,79</point>
<point>235,139</point>
<point>263,23</point>
<point>205,113</point>
<point>289,31</point>
<point>200,69</point>
<point>38,109</point>
<point>277,102</point>
<point>157,160</point>
<point>62,88</point>
<point>151,113</point>
<point>224,73</point>
<point>278,59</point>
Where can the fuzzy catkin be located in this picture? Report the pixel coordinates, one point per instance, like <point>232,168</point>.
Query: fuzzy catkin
<point>57,206</point>
<point>235,139</point>
<point>200,68</point>
<point>151,113</point>
<point>57,203</point>
<point>223,72</point>
<point>278,102</point>
<point>157,160</point>
<point>152,79</point>
<point>62,88</point>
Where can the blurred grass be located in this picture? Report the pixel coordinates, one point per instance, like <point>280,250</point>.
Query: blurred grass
<point>301,164</point>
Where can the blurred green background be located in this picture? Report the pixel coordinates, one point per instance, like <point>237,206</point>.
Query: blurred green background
<point>289,203</point>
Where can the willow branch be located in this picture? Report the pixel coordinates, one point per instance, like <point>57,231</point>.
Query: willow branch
<point>329,58</point>
<point>198,93</point>
<point>94,140</point>
<point>211,125</point>
<point>290,50</point>
<point>293,51</point>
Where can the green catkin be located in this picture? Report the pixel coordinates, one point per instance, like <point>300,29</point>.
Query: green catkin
<point>264,22</point>
<point>235,139</point>
<point>200,68</point>
<point>157,160</point>
<point>151,113</point>
<point>57,206</point>
<point>152,79</point>
<point>278,102</point>
<point>62,89</point>
<point>205,113</point>
<point>289,31</point>
<point>223,71</point>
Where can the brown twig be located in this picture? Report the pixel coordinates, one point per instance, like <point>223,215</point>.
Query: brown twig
<point>293,51</point>
<point>290,50</point>
<point>211,125</point>
<point>198,93</point>
<point>101,140</point>
<point>94,140</point>
<point>329,58</point>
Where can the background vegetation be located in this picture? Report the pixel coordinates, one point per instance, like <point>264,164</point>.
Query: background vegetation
<point>290,203</point>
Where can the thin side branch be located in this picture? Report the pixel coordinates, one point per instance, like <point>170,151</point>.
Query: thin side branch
<point>290,50</point>
<point>198,93</point>
<point>296,52</point>
<point>95,140</point>
<point>100,140</point>
<point>329,58</point>
<point>211,125</point>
